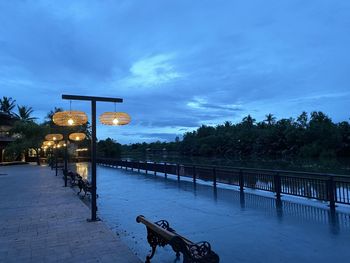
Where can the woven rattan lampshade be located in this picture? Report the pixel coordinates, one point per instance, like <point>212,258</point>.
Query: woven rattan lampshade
<point>62,143</point>
<point>77,136</point>
<point>54,137</point>
<point>48,143</point>
<point>70,118</point>
<point>114,118</point>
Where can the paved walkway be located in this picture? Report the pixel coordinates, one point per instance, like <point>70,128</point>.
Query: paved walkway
<point>41,221</point>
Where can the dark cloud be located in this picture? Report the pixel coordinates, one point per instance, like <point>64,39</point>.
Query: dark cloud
<point>178,64</point>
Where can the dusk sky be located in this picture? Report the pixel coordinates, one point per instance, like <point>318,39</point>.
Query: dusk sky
<point>178,64</point>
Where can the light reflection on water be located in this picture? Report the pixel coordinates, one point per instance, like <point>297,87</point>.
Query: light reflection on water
<point>82,169</point>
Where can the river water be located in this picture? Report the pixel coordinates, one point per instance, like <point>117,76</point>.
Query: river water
<point>249,227</point>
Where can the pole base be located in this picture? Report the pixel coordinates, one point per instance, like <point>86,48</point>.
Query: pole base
<point>91,220</point>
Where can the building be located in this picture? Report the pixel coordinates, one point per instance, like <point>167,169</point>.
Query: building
<point>6,123</point>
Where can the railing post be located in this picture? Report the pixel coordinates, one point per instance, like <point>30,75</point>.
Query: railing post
<point>241,180</point>
<point>331,193</point>
<point>194,174</point>
<point>132,165</point>
<point>126,165</point>
<point>178,171</point>
<point>277,182</point>
<point>138,166</point>
<point>146,167</point>
<point>165,174</point>
<point>214,176</point>
<point>155,169</point>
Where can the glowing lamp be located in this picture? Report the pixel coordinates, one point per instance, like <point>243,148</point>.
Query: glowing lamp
<point>70,118</point>
<point>115,118</point>
<point>54,137</point>
<point>77,136</point>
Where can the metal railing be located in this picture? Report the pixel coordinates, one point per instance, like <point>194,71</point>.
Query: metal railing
<point>325,187</point>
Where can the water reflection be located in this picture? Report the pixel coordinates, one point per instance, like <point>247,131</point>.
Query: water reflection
<point>279,208</point>
<point>240,225</point>
<point>82,169</point>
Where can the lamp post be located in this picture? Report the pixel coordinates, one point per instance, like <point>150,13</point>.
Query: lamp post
<point>55,137</point>
<point>93,101</point>
<point>68,118</point>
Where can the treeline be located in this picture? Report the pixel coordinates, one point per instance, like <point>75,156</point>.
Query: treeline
<point>307,136</point>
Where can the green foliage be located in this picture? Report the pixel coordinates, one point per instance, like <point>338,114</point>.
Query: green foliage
<point>7,104</point>
<point>108,148</point>
<point>29,135</point>
<point>24,113</point>
<point>308,137</point>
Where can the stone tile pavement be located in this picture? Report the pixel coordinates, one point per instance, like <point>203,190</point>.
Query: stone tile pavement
<point>41,221</point>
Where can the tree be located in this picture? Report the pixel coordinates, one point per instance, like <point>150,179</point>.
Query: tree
<point>318,137</point>
<point>108,148</point>
<point>302,120</point>
<point>24,113</point>
<point>29,136</point>
<point>49,115</point>
<point>270,119</point>
<point>7,104</point>
<point>248,121</point>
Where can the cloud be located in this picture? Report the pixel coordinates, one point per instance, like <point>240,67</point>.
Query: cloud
<point>152,72</point>
<point>178,64</point>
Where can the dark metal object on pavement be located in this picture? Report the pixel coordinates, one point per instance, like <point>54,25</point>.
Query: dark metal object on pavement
<point>161,234</point>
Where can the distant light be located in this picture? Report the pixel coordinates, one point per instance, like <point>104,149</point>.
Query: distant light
<point>70,121</point>
<point>77,138</point>
<point>115,121</point>
<point>82,150</point>
<point>54,138</point>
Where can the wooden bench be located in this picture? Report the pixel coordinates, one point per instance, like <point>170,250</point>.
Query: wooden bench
<point>161,234</point>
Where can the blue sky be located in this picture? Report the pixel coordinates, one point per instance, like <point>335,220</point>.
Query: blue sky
<point>178,64</point>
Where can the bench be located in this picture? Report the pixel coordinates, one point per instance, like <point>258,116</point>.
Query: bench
<point>73,177</point>
<point>85,186</point>
<point>161,234</point>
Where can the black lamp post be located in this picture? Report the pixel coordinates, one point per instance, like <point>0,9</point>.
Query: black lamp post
<point>93,101</point>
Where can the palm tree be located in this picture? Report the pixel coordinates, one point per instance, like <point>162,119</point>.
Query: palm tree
<point>7,104</point>
<point>49,115</point>
<point>248,120</point>
<point>270,119</point>
<point>24,113</point>
<point>52,112</point>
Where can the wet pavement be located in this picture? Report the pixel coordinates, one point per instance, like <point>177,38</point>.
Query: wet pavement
<point>249,227</point>
<point>41,221</point>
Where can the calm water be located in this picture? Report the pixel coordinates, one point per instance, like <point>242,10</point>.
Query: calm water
<point>242,228</point>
